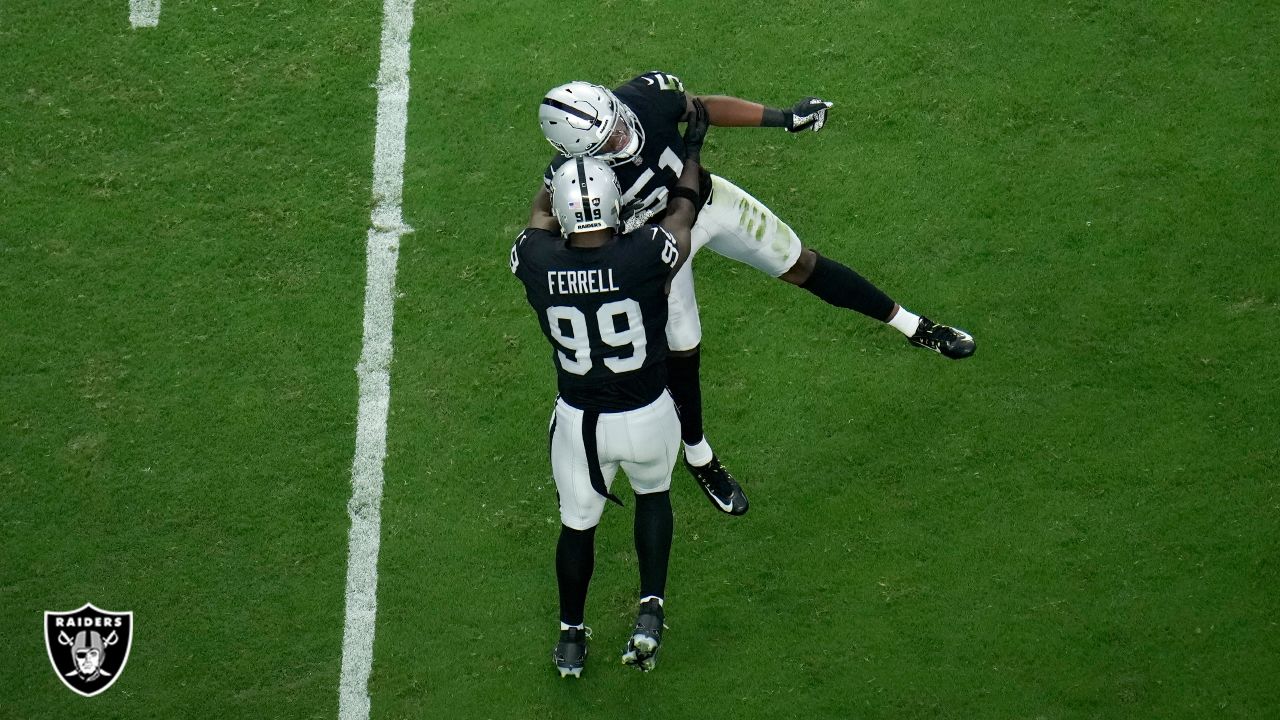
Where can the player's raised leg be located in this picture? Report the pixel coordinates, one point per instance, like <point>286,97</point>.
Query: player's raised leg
<point>743,229</point>
<point>841,286</point>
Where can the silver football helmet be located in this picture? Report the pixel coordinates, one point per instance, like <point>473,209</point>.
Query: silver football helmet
<point>580,118</point>
<point>585,196</point>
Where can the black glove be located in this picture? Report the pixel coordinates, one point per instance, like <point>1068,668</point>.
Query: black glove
<point>808,114</point>
<point>696,130</point>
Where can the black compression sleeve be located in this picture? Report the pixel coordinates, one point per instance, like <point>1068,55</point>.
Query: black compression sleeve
<point>842,287</point>
<point>575,562</point>
<point>653,530</point>
<point>682,381</point>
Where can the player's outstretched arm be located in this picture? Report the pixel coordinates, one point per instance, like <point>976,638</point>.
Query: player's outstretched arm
<point>725,111</point>
<point>540,214</point>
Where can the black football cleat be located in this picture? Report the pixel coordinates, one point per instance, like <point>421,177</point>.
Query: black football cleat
<point>725,492</point>
<point>943,339</point>
<point>570,654</point>
<point>642,648</point>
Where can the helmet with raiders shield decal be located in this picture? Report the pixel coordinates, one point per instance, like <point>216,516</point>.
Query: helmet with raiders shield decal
<point>580,118</point>
<point>585,196</point>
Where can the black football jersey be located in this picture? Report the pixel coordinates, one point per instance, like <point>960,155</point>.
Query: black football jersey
<point>604,311</point>
<point>658,101</point>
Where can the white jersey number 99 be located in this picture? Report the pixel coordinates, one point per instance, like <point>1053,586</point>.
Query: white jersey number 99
<point>578,341</point>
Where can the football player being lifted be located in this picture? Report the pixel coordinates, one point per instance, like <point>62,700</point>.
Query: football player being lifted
<point>635,129</point>
<point>600,294</point>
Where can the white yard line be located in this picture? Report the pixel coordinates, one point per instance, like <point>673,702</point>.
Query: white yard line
<point>373,370</point>
<point>144,13</point>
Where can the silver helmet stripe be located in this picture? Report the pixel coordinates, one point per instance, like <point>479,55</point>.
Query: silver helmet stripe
<point>582,188</point>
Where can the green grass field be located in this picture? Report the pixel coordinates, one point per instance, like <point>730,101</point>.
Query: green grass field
<point>1082,521</point>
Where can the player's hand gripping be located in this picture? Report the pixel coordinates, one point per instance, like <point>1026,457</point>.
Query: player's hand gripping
<point>696,129</point>
<point>808,114</point>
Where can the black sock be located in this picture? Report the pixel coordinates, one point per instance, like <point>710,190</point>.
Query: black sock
<point>845,288</point>
<point>575,561</point>
<point>654,524</point>
<point>686,390</point>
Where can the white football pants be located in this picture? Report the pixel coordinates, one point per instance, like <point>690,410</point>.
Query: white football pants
<point>739,227</point>
<point>644,442</point>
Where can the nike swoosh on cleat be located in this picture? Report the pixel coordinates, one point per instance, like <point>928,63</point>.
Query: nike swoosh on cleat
<point>722,505</point>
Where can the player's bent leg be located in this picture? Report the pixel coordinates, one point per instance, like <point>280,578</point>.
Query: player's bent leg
<point>843,287</point>
<point>685,383</point>
<point>799,273</point>
<point>684,333</point>
<point>839,285</point>
<point>742,228</point>
<point>684,327</point>
<point>717,483</point>
<point>755,236</point>
<point>684,361</point>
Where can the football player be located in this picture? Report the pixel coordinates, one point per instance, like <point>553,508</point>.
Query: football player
<point>600,294</point>
<point>635,129</point>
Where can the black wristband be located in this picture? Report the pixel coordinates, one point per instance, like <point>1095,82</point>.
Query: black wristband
<point>773,117</point>
<point>683,192</point>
